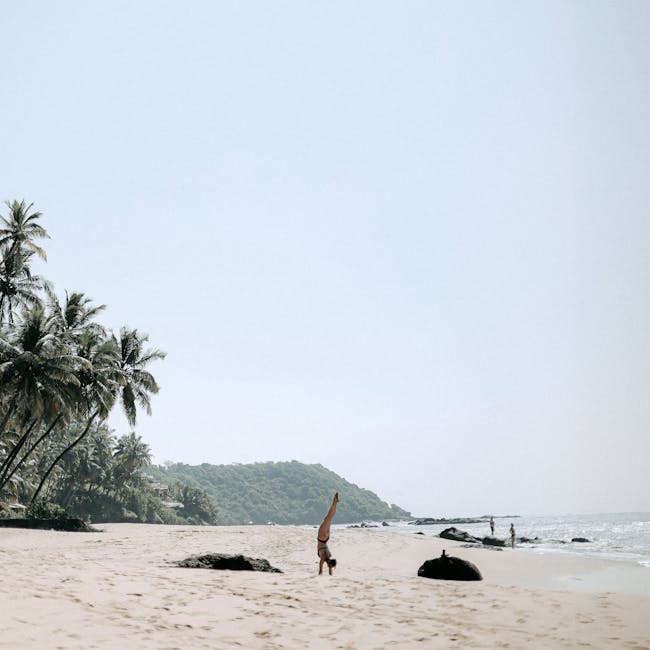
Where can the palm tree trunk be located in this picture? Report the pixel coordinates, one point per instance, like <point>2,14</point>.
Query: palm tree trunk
<point>19,464</point>
<point>4,468</point>
<point>10,309</point>
<point>72,445</point>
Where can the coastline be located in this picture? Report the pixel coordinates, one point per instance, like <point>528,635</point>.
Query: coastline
<point>622,537</point>
<point>121,588</point>
<point>565,571</point>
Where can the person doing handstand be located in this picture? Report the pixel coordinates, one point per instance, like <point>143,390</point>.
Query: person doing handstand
<point>323,537</point>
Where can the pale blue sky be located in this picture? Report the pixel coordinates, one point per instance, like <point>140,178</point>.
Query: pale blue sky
<point>409,241</point>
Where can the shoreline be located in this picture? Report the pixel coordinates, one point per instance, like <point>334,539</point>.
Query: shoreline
<point>619,537</point>
<point>576,572</point>
<point>120,587</point>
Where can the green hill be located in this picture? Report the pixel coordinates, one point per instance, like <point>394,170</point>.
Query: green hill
<point>282,493</point>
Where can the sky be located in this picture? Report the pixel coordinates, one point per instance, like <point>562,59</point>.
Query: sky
<point>408,241</point>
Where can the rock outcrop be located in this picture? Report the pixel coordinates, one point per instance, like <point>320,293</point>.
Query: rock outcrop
<point>430,521</point>
<point>70,525</point>
<point>226,562</point>
<point>459,536</point>
<point>447,567</point>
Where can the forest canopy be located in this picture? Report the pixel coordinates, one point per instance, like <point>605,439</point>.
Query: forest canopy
<point>278,492</point>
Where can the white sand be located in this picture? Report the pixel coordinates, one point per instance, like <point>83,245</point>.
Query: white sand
<point>118,589</point>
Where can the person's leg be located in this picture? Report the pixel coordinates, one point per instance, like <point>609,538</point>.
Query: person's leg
<point>324,530</point>
<point>332,511</point>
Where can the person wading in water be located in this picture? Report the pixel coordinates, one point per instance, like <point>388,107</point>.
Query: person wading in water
<point>323,537</point>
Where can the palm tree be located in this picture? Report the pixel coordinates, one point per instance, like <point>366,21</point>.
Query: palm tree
<point>137,382</point>
<point>18,232</point>
<point>113,366</point>
<point>40,377</point>
<point>19,229</point>
<point>132,453</point>
<point>84,469</point>
<point>99,380</point>
<point>19,288</point>
<point>73,325</point>
<point>76,315</point>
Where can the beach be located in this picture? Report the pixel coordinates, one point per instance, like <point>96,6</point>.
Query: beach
<point>119,588</point>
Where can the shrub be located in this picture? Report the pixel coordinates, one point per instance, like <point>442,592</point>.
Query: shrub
<point>45,510</point>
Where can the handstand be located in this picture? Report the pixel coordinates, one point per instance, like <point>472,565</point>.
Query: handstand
<point>324,554</point>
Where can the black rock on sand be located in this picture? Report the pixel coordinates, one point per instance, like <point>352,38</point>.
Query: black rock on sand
<point>227,563</point>
<point>447,567</point>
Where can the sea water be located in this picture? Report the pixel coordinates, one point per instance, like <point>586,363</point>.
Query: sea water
<point>617,536</point>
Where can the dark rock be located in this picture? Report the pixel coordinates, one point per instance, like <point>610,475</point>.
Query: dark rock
<point>70,525</point>
<point>529,540</point>
<point>580,539</point>
<point>384,523</point>
<point>458,535</point>
<point>483,547</point>
<point>363,524</point>
<point>227,563</point>
<point>493,541</point>
<point>447,567</point>
<point>419,533</point>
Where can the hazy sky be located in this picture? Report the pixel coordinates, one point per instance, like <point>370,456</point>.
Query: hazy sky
<point>407,240</point>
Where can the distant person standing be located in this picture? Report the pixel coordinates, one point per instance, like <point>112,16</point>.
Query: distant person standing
<point>323,537</point>
<point>512,535</point>
<point>492,526</point>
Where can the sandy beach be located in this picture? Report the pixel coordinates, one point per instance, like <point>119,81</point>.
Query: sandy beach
<point>120,589</point>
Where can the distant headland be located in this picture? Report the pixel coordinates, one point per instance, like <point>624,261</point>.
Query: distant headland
<point>278,492</point>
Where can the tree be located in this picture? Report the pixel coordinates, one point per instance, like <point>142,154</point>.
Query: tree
<point>137,382</point>
<point>20,228</point>
<point>131,456</point>
<point>197,505</point>
<point>40,374</point>
<point>18,287</point>
<point>99,379</point>
<point>61,373</point>
<point>76,316</point>
<point>111,367</point>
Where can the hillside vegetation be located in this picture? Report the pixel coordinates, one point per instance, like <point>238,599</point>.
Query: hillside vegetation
<point>282,493</point>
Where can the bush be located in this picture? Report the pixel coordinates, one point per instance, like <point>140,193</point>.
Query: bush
<point>45,510</point>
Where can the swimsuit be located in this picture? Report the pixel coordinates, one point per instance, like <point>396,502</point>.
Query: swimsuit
<point>323,549</point>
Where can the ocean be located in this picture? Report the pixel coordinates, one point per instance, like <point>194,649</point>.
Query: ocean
<point>616,536</point>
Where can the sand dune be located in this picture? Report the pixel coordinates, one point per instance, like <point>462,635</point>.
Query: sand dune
<point>120,589</point>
